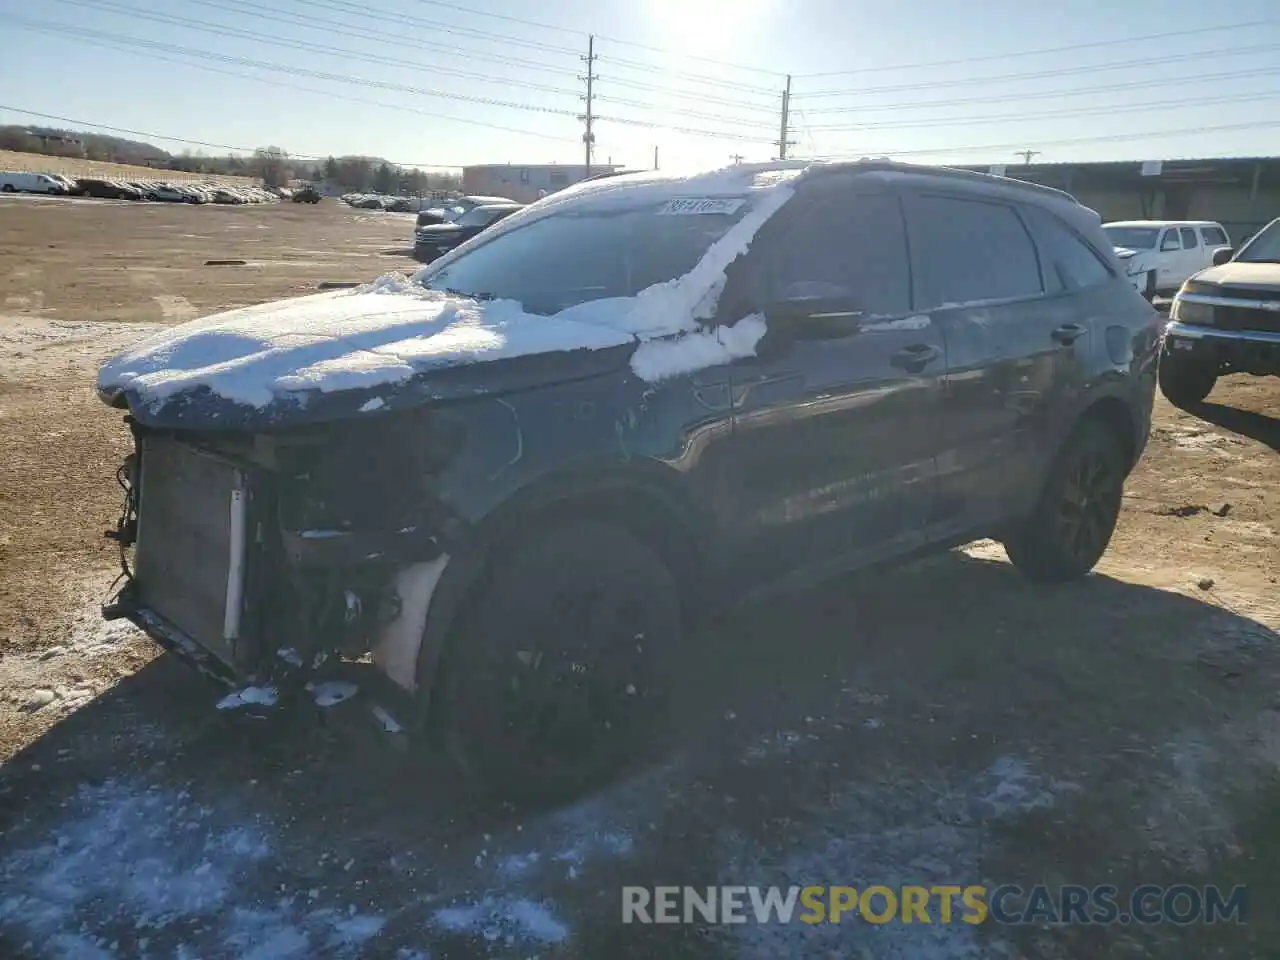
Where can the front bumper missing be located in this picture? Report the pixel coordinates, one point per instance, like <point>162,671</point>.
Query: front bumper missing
<point>173,639</point>
<point>1252,351</point>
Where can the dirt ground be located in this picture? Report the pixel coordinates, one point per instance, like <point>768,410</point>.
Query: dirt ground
<point>946,723</point>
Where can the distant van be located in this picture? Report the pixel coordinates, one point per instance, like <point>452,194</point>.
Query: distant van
<point>30,183</point>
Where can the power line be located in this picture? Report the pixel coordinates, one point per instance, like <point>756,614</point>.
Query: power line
<point>343,6</point>
<point>694,77</point>
<point>308,46</point>
<point>677,111</point>
<point>201,143</point>
<point>1045,114</point>
<point>986,58</point>
<point>65,29</point>
<point>1050,94</point>
<point>991,147</point>
<point>582,33</point>
<point>691,131</point>
<point>1062,72</point>
<point>284,84</point>
<point>319,23</point>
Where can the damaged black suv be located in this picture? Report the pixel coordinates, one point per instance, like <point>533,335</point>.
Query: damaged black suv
<point>519,478</point>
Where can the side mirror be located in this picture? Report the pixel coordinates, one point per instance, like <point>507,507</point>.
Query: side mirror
<point>1222,255</point>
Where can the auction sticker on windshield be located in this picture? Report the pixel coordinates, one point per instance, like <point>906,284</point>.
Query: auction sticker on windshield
<point>687,206</point>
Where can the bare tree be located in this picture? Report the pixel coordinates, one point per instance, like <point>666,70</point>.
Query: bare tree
<point>272,165</point>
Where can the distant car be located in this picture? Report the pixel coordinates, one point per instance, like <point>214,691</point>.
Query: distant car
<point>225,196</point>
<point>17,182</point>
<point>107,189</point>
<point>448,213</point>
<point>436,239</point>
<point>167,193</point>
<point>1225,320</point>
<point>306,194</point>
<point>1158,255</point>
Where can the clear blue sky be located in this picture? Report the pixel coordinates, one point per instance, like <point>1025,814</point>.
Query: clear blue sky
<point>660,62</point>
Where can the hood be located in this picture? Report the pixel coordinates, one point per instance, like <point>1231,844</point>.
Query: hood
<point>1124,253</point>
<point>388,345</point>
<point>1243,274</point>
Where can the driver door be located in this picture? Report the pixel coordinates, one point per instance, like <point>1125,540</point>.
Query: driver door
<point>834,426</point>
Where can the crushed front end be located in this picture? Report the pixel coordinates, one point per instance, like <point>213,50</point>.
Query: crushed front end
<point>250,553</point>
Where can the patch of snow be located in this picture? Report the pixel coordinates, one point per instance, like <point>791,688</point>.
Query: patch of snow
<point>393,328</point>
<point>657,360</point>
<point>258,696</point>
<point>128,856</point>
<point>332,692</point>
<point>290,656</point>
<point>497,918</point>
<point>373,403</point>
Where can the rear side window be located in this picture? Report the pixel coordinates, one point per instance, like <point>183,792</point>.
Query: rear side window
<point>1214,236</point>
<point>966,250</point>
<point>847,244</point>
<point>1189,239</point>
<point>1066,254</point>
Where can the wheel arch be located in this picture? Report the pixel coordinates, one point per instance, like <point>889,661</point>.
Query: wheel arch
<point>648,500</point>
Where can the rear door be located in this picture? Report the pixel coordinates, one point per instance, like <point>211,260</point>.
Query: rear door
<point>1006,329</point>
<point>835,417</point>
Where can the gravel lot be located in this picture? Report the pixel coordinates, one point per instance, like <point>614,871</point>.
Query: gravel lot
<point>945,723</point>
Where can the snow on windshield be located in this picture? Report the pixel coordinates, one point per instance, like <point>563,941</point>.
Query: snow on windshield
<point>392,329</point>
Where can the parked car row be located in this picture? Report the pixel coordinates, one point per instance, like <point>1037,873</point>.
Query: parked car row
<point>160,191</point>
<point>378,201</point>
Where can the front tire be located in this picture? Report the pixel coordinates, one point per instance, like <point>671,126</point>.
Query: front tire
<point>8,188</point>
<point>558,676</point>
<point>1186,382</point>
<point>1072,524</point>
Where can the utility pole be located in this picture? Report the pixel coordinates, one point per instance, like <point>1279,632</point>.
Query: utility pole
<point>785,128</point>
<point>1026,155</point>
<point>655,156</point>
<point>737,158</point>
<point>588,137</point>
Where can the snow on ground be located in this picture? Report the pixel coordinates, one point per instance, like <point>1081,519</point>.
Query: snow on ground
<point>392,329</point>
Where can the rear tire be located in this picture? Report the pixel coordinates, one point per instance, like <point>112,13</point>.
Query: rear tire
<point>1078,508</point>
<point>8,188</point>
<point>1186,382</point>
<point>558,677</point>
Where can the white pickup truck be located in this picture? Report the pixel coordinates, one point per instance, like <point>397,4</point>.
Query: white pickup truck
<point>1159,255</point>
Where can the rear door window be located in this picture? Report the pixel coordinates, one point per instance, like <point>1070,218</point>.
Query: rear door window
<point>1068,259</point>
<point>965,250</point>
<point>1189,239</point>
<point>843,244</point>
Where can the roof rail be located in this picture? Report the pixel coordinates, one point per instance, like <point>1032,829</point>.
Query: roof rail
<point>973,176</point>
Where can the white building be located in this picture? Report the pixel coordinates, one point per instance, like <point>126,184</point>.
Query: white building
<point>524,184</point>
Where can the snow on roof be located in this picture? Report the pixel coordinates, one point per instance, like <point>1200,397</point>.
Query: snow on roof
<point>393,329</point>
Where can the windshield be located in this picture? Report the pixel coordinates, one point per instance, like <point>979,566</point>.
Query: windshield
<point>569,258</point>
<point>479,217</point>
<point>1136,238</point>
<point>1264,248</point>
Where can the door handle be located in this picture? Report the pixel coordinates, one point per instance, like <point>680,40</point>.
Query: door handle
<point>1068,333</point>
<point>916,357</point>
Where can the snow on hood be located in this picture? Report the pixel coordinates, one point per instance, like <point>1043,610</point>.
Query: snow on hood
<point>392,329</point>
<point>1124,253</point>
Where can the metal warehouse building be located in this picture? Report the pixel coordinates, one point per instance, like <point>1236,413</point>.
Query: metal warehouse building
<point>1241,193</point>
<point>523,183</point>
